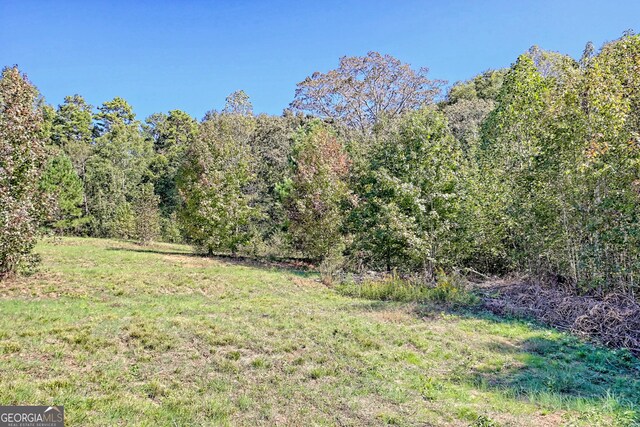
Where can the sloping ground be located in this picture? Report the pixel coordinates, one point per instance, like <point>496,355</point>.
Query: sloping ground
<point>124,335</point>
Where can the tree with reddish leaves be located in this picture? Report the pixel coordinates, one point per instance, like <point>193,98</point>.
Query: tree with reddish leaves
<point>22,158</point>
<point>313,195</point>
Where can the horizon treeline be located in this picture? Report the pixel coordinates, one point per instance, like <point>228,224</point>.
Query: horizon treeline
<point>532,169</point>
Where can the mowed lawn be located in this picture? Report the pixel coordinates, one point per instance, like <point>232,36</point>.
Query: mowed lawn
<point>154,336</point>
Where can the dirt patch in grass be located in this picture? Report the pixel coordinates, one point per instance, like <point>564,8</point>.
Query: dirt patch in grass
<point>190,261</point>
<point>41,285</point>
<point>394,316</point>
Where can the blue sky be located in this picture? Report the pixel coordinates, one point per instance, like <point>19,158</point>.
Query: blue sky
<point>190,55</point>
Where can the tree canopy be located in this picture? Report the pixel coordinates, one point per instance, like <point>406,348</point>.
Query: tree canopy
<point>364,90</point>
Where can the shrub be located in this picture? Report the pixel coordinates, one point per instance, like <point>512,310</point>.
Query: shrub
<point>330,268</point>
<point>170,229</point>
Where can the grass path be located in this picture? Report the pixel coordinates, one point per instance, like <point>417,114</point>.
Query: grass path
<point>124,335</point>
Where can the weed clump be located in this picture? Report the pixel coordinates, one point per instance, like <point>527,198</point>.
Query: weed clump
<point>448,289</point>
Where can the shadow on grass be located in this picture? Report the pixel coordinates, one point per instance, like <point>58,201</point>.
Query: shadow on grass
<point>569,368</point>
<point>558,369</point>
<point>292,266</point>
<point>603,385</point>
<point>147,250</point>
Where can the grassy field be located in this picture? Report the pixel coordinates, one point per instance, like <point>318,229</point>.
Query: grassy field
<point>126,335</point>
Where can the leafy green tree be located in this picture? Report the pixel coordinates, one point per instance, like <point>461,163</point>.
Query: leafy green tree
<point>271,144</point>
<point>512,141</point>
<point>559,168</point>
<point>533,169</point>
<point>123,224</point>
<point>170,229</point>
<point>407,205</point>
<point>73,122</point>
<point>171,135</point>
<point>485,86</point>
<point>467,106</point>
<point>214,183</point>
<point>104,191</point>
<point>116,112</point>
<point>607,208</point>
<point>551,64</point>
<point>22,157</point>
<point>48,117</point>
<point>465,118</point>
<point>532,146</point>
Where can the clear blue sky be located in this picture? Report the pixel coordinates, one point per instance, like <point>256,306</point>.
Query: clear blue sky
<point>190,55</point>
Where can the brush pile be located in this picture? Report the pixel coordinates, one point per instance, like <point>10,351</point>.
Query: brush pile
<point>613,320</point>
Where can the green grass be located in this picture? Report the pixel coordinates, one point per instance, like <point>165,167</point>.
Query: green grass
<point>125,335</point>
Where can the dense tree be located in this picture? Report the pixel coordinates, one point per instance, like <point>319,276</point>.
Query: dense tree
<point>607,224</point>
<point>169,131</point>
<point>22,156</point>
<point>559,167</point>
<point>468,105</point>
<point>364,90</point>
<point>171,135</point>
<point>465,118</point>
<point>122,224</point>
<point>406,213</point>
<point>315,191</point>
<point>72,122</point>
<point>485,86</point>
<point>551,64</point>
<point>118,166</point>
<point>532,169</point>
<point>271,143</point>
<point>512,142</point>
<point>215,183</point>
<point>116,112</point>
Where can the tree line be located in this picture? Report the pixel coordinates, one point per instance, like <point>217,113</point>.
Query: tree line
<point>532,169</point>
